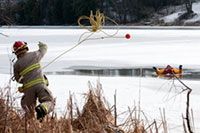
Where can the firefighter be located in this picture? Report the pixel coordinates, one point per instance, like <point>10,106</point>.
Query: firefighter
<point>28,72</point>
<point>168,71</point>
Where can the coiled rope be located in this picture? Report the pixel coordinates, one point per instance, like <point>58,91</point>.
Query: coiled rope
<point>97,22</point>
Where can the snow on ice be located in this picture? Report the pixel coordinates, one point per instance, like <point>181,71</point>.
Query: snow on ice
<point>146,48</point>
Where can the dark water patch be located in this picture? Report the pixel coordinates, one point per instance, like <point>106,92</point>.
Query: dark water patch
<point>193,74</point>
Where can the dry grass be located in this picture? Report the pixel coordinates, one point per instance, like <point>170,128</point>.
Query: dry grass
<point>95,117</point>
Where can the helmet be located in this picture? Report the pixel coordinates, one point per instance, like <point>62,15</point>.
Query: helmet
<point>19,46</point>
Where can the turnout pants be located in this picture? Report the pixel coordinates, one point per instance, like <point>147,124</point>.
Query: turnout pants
<point>38,92</point>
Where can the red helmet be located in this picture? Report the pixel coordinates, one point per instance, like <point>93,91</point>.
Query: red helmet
<point>19,45</point>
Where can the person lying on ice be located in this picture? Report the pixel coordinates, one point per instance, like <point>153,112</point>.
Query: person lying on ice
<point>28,72</point>
<point>168,71</point>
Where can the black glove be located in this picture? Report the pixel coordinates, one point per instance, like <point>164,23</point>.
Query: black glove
<point>154,68</point>
<point>180,67</point>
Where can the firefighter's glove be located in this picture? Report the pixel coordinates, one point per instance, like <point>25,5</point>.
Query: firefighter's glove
<point>180,67</point>
<point>154,68</point>
<point>42,45</point>
<point>20,89</point>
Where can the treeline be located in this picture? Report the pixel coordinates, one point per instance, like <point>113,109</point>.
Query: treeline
<point>66,12</point>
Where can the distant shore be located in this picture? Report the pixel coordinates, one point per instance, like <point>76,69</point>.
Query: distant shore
<point>104,27</point>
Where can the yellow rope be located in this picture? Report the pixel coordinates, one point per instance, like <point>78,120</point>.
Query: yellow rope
<point>4,35</point>
<point>96,21</point>
<point>66,51</point>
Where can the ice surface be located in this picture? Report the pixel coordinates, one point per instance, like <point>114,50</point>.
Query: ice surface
<point>146,48</point>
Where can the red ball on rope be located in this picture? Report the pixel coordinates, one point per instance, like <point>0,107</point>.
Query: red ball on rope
<point>127,36</point>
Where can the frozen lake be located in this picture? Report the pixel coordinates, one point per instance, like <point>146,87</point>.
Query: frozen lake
<point>146,48</point>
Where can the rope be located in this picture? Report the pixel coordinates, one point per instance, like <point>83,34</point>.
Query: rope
<point>4,35</point>
<point>79,43</point>
<point>97,21</point>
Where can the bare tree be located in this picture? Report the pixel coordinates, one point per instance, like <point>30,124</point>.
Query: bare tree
<point>5,12</point>
<point>188,5</point>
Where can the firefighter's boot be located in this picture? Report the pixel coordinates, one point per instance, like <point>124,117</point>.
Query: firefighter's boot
<point>40,112</point>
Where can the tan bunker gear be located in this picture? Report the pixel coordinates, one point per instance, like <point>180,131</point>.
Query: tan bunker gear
<point>27,71</point>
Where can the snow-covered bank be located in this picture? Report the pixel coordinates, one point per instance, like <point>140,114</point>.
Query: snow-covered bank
<point>155,93</point>
<point>171,18</point>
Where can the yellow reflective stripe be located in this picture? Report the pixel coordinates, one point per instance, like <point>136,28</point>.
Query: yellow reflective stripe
<point>29,68</point>
<point>46,82</point>
<point>44,106</point>
<point>33,82</point>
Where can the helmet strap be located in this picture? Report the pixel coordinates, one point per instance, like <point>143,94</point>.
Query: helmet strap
<point>21,51</point>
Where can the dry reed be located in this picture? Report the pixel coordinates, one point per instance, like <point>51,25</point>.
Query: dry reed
<point>95,117</point>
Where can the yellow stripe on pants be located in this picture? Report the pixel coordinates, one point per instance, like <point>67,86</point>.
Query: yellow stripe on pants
<point>32,83</point>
